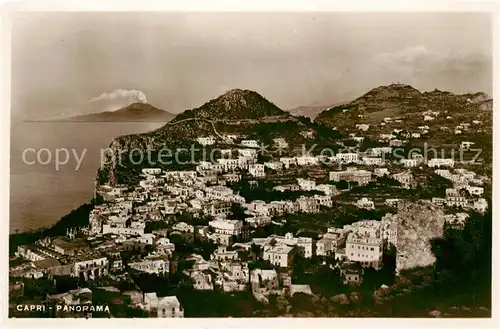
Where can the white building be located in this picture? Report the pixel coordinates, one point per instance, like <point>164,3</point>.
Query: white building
<point>183,227</point>
<point>256,170</point>
<point>306,160</point>
<point>440,162</point>
<point>226,226</point>
<point>231,178</point>
<point>151,171</point>
<point>164,246</point>
<point>287,162</point>
<point>404,178</point>
<point>323,200</point>
<point>365,203</point>
<point>466,145</point>
<point>365,249</point>
<point>362,177</point>
<point>348,157</point>
<point>274,165</point>
<point>331,241</point>
<point>151,266</point>
<point>475,190</point>
<point>209,140</point>
<point>328,189</point>
<point>222,254</point>
<point>305,247</point>
<point>229,164</point>
<point>480,205</point>
<point>409,163</point>
<point>201,280</point>
<point>250,143</point>
<point>263,283</point>
<point>279,255</point>
<point>455,199</point>
<point>306,184</point>
<point>258,221</point>
<point>164,307</point>
<point>251,153</point>
<point>219,193</point>
<point>379,172</point>
<point>395,142</point>
<point>363,126</point>
<point>371,161</point>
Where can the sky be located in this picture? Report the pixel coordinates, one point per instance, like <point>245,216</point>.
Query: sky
<point>75,62</point>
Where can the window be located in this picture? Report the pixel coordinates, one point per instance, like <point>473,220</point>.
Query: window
<point>371,248</point>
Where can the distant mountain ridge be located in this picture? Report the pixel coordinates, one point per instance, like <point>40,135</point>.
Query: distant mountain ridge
<point>312,111</point>
<point>135,112</point>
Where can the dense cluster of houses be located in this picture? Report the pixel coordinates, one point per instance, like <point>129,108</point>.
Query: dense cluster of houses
<point>467,190</point>
<point>120,223</point>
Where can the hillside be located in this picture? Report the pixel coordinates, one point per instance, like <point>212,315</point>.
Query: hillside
<point>450,118</point>
<point>135,112</point>
<point>398,101</point>
<point>241,112</point>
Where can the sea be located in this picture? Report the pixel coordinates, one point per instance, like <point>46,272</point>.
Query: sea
<point>53,166</point>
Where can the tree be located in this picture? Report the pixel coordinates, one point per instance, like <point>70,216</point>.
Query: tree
<point>465,254</point>
<point>237,211</point>
<point>342,185</point>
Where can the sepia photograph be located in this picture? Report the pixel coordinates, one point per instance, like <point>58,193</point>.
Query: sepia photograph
<point>265,164</point>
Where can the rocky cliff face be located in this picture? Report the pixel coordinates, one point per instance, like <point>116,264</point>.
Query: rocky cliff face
<point>418,223</point>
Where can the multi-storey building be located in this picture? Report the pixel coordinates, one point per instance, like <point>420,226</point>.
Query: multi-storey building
<point>226,226</point>
<point>364,248</point>
<point>279,255</point>
<point>362,177</point>
<point>440,162</point>
<point>256,170</point>
<point>250,143</point>
<point>163,307</point>
<point>151,266</point>
<point>208,140</point>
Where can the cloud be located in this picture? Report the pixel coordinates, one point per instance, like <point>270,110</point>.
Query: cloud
<point>406,56</point>
<point>121,95</point>
<point>465,71</point>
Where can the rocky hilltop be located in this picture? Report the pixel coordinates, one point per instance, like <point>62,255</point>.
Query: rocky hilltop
<point>235,104</point>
